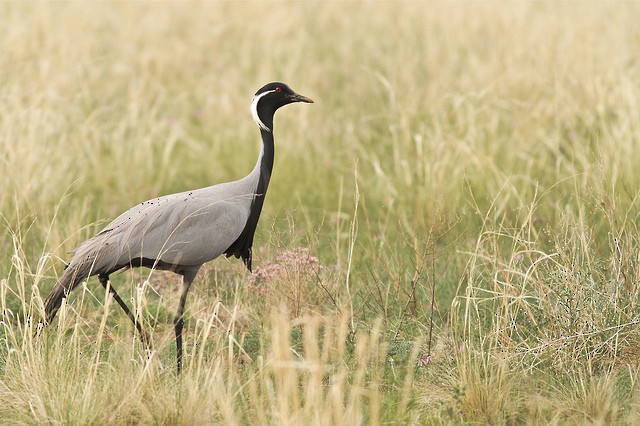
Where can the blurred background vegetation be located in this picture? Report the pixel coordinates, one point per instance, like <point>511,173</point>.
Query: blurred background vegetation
<point>485,153</point>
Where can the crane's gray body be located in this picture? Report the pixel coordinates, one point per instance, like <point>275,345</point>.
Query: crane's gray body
<point>185,229</point>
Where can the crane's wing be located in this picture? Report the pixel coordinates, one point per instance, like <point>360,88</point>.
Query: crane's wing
<point>187,228</point>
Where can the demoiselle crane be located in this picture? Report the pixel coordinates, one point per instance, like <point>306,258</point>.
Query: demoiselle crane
<point>180,232</point>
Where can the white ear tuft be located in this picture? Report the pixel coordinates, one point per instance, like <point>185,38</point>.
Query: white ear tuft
<point>254,110</point>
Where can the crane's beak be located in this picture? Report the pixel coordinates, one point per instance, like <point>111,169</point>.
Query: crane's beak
<point>299,98</point>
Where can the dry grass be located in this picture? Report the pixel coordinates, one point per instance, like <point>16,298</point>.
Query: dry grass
<point>489,150</point>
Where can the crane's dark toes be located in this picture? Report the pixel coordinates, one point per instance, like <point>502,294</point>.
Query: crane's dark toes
<point>146,340</point>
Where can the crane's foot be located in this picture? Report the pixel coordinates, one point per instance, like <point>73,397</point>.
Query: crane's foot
<point>145,339</point>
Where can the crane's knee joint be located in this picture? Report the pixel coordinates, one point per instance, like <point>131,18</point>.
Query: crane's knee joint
<point>178,320</point>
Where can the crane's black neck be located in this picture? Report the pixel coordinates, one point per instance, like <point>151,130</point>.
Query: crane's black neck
<point>242,246</point>
<point>266,161</point>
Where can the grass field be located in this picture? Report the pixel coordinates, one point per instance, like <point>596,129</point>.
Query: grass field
<point>482,153</point>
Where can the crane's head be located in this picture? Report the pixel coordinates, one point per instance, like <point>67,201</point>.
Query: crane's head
<point>268,99</point>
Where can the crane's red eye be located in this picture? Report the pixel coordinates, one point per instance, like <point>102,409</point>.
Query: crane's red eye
<point>278,89</point>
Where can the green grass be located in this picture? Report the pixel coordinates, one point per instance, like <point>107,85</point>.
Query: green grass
<point>484,153</point>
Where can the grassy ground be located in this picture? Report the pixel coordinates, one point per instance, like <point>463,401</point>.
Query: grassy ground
<point>486,154</point>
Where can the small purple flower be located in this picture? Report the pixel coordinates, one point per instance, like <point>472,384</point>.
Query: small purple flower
<point>198,114</point>
<point>424,360</point>
<point>290,263</point>
<point>172,121</point>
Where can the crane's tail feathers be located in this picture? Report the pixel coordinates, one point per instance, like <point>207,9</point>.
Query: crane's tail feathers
<point>71,277</point>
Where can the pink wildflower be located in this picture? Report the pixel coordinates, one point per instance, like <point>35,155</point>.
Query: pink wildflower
<point>297,263</point>
<point>458,349</point>
<point>424,360</point>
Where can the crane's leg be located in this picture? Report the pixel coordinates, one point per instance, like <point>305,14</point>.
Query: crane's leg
<point>178,320</point>
<point>104,280</point>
